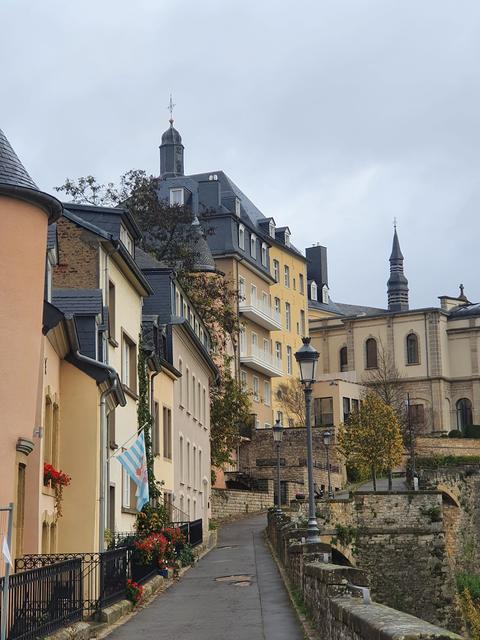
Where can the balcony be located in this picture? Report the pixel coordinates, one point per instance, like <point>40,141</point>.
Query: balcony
<point>262,362</point>
<point>261,313</point>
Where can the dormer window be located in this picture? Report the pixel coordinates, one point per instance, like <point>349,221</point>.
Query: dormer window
<point>253,246</point>
<point>287,238</point>
<point>325,297</point>
<point>271,229</point>
<point>241,236</point>
<point>126,240</point>
<point>314,291</point>
<point>237,207</point>
<point>264,254</point>
<point>177,197</point>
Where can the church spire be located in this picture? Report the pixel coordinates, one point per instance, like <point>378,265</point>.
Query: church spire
<point>397,286</point>
<point>171,150</point>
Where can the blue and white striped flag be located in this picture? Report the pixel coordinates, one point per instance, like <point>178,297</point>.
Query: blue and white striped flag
<point>134,461</point>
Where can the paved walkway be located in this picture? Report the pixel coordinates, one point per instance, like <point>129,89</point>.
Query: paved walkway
<point>251,606</point>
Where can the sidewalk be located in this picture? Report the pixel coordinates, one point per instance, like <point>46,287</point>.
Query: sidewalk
<point>249,602</point>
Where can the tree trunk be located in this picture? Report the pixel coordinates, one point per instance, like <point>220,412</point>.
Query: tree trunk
<point>374,478</point>
<point>390,480</point>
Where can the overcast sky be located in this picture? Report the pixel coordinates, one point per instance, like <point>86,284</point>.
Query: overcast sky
<point>332,116</point>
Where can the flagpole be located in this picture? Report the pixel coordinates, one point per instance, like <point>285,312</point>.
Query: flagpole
<point>6,580</point>
<point>122,446</point>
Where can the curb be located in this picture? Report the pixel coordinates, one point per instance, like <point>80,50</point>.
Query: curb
<point>308,629</point>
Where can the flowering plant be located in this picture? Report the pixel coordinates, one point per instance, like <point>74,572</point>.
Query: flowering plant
<point>134,591</point>
<point>57,480</point>
<point>174,535</point>
<point>54,477</point>
<point>153,547</point>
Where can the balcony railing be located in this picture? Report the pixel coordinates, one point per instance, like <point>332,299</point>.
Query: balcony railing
<point>261,313</point>
<point>261,361</point>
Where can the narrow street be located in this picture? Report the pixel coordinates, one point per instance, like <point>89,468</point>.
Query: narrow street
<point>234,593</point>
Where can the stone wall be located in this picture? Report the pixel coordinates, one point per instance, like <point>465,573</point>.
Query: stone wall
<point>460,490</point>
<point>258,457</point>
<point>232,502</point>
<point>425,446</point>
<point>399,540</point>
<point>333,595</point>
<point>78,257</point>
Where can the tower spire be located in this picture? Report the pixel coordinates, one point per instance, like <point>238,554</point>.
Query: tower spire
<point>171,149</point>
<point>170,108</point>
<point>397,285</point>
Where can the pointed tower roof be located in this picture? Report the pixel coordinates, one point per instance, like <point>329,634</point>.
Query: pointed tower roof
<point>16,183</point>
<point>203,256</point>
<point>397,285</point>
<point>396,251</point>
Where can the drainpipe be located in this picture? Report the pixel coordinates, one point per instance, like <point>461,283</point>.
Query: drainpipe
<point>115,388</point>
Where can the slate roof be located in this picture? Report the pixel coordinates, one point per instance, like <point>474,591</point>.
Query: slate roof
<point>203,256</point>
<point>16,182</point>
<point>472,309</point>
<point>249,212</point>
<point>78,301</point>
<point>359,310</point>
<point>146,261</point>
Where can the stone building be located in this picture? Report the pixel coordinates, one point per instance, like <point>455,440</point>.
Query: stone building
<point>435,349</point>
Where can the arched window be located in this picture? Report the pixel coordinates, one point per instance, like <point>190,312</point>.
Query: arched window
<point>412,349</point>
<point>241,236</point>
<point>371,353</point>
<point>313,291</point>
<point>464,413</point>
<point>343,359</point>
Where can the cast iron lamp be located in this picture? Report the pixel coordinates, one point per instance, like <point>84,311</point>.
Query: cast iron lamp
<point>277,438</point>
<point>307,358</point>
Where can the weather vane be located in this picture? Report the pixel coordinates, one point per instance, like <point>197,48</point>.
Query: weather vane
<point>395,223</point>
<point>170,108</point>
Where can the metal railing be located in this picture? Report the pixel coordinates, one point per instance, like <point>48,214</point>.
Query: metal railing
<point>103,576</point>
<point>193,531</point>
<point>44,599</point>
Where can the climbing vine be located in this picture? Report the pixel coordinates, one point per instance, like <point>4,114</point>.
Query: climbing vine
<point>145,420</point>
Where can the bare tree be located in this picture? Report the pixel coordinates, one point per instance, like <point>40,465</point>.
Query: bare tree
<point>291,398</point>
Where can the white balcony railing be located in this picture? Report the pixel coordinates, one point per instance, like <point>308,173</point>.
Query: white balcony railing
<point>262,313</point>
<point>261,361</point>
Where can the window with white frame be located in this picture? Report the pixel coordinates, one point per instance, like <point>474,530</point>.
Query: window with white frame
<point>241,288</point>
<point>266,348</point>
<point>182,462</point>
<point>313,291</point>
<point>254,343</point>
<point>253,295</point>
<point>288,317</point>
<point>243,379</point>
<point>278,350</point>
<point>241,236</point>
<point>126,239</point>
<point>325,298</point>
<point>253,246</point>
<point>180,381</point>
<point>271,229</point>
<point>289,360</point>
<point>287,238</point>
<point>237,207</point>
<point>264,254</point>
<point>255,388</point>
<point>194,467</point>
<point>199,401</point>
<point>266,393</point>
<point>199,469</point>
<point>176,197</point>
<point>194,398</point>
<point>276,304</point>
<point>204,407</point>
<point>187,385</point>
<point>286,276</point>
<point>129,363</point>
<point>189,473</point>
<point>276,270</point>
<point>301,283</point>
<point>243,340</point>
<point>280,416</point>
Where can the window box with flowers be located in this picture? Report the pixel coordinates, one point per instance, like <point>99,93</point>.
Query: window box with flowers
<point>56,480</point>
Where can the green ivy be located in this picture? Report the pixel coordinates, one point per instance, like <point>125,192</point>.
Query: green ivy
<point>145,420</point>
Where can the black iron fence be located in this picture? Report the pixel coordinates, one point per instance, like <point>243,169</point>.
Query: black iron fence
<point>44,599</point>
<point>193,532</point>
<point>103,576</point>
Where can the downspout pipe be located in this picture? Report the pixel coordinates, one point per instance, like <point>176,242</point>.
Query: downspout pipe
<point>114,388</point>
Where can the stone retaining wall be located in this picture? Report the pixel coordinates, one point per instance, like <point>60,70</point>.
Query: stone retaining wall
<point>232,502</point>
<point>332,596</point>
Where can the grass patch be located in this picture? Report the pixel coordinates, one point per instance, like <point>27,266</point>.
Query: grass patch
<point>469,582</point>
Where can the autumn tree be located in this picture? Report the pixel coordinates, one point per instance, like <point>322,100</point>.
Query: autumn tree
<point>291,398</point>
<point>372,439</point>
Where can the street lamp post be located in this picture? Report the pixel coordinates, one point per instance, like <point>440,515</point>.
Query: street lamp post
<point>412,443</point>
<point>277,438</point>
<point>326,441</point>
<point>307,358</point>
